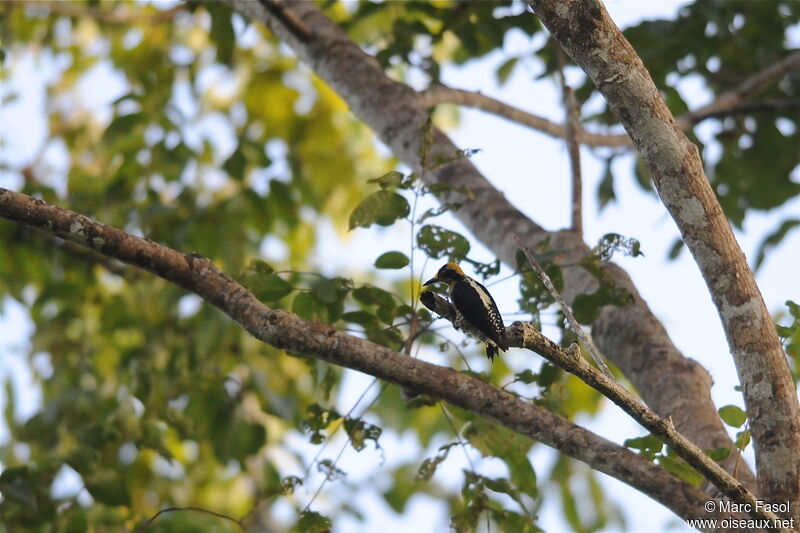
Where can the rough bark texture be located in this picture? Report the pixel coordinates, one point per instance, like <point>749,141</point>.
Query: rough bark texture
<point>673,385</point>
<point>524,335</point>
<point>287,331</point>
<point>589,36</point>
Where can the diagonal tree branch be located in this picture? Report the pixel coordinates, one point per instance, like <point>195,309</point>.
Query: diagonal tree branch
<point>439,94</point>
<point>285,330</point>
<point>670,383</point>
<point>729,102</point>
<point>590,37</point>
<point>749,88</point>
<point>524,335</point>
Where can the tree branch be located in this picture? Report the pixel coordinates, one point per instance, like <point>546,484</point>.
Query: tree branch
<point>439,94</point>
<point>565,310</point>
<point>524,335</point>
<point>285,330</point>
<point>671,384</point>
<point>589,36</point>
<point>749,88</point>
<point>571,125</point>
<point>729,102</point>
<point>765,106</point>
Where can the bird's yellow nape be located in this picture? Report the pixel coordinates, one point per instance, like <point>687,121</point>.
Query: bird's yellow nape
<point>454,266</point>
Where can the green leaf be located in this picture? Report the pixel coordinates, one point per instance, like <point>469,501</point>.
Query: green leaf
<point>773,239</point>
<point>404,485</point>
<point>381,207</point>
<point>793,349</point>
<point>675,249</point>
<point>362,318</point>
<point>439,242</point>
<point>19,484</point>
<point>75,521</point>
<point>649,445</point>
<point>317,420</point>
<point>392,260</point>
<point>526,376</point>
<point>732,415</point>
<point>504,71</point>
<point>428,467</point>
<point>308,307</point>
<point>390,180</point>
<point>742,439</point>
<point>719,454</point>
<point>587,307</point>
<point>312,522</point>
<point>605,189</point>
<point>614,242</point>
<point>548,374</point>
<point>794,309</point>
<point>236,165</point>
<point>271,288</point>
<point>681,469</point>
<point>222,31</point>
<point>261,267</point>
<point>360,432</point>
<point>371,295</point>
<point>123,133</point>
<point>106,486</point>
<point>240,439</point>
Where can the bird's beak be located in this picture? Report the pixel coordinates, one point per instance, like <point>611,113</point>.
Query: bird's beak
<point>432,280</point>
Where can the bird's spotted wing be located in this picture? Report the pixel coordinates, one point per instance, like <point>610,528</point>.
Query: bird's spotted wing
<point>478,308</point>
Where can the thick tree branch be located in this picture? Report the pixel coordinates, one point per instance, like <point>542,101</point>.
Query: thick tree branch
<point>589,36</point>
<point>524,335</point>
<point>671,384</point>
<point>285,330</point>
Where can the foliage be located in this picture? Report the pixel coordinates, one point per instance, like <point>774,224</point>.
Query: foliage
<point>722,43</point>
<point>216,141</point>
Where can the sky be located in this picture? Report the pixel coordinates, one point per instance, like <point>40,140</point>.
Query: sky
<point>533,170</point>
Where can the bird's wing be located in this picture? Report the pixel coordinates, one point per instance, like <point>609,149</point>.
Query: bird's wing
<point>471,299</point>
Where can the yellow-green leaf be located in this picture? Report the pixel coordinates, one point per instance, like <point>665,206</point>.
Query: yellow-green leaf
<point>381,207</point>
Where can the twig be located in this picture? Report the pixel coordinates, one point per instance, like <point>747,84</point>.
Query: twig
<point>440,94</point>
<point>767,105</point>
<point>747,89</point>
<point>571,125</point>
<point>573,324</point>
<point>726,103</point>
<point>153,518</point>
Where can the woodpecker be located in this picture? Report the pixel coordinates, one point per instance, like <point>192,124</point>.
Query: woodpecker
<point>475,306</point>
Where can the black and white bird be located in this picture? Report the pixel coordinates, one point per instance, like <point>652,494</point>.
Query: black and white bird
<point>475,306</point>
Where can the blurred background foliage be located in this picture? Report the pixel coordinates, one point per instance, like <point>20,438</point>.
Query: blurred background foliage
<point>217,141</point>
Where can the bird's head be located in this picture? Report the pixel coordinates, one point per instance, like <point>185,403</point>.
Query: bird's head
<point>449,273</point>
